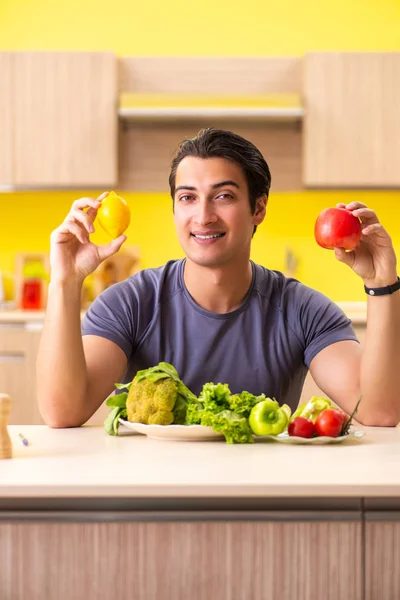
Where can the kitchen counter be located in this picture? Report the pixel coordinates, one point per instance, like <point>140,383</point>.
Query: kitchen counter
<point>86,462</point>
<point>21,316</point>
<point>24,316</point>
<point>86,516</point>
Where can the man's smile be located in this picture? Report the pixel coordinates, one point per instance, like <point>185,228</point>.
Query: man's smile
<point>207,238</point>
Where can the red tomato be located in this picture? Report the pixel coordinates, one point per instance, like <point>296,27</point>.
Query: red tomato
<point>301,427</point>
<point>344,415</point>
<point>337,228</point>
<point>329,423</point>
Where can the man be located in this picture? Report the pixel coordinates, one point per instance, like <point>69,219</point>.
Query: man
<point>215,315</point>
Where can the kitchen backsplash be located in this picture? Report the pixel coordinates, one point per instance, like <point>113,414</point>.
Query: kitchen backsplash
<point>27,220</point>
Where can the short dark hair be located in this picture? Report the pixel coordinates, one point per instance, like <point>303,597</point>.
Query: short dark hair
<point>219,143</point>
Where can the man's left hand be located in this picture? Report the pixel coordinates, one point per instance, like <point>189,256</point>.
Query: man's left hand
<point>374,259</point>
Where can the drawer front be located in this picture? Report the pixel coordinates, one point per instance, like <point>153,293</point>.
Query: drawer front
<point>13,338</point>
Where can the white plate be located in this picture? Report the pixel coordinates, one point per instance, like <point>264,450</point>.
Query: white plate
<point>176,433</point>
<point>285,438</point>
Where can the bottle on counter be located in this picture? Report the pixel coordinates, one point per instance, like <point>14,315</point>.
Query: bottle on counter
<point>31,298</point>
<point>32,279</point>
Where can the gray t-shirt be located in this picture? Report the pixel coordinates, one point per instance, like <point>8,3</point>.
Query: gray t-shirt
<point>264,346</point>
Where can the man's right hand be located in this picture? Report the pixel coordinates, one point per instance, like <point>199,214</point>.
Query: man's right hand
<point>72,255</point>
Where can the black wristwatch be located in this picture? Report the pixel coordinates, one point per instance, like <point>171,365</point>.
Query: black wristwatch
<point>383,291</point>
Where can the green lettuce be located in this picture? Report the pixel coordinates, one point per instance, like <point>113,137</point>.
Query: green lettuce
<point>228,414</point>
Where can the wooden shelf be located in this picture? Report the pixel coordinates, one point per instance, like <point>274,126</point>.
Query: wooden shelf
<point>163,101</point>
<point>136,107</point>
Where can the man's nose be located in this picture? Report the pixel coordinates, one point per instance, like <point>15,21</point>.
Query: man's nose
<point>205,213</point>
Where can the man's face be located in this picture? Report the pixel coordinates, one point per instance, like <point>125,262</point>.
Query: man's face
<point>212,211</point>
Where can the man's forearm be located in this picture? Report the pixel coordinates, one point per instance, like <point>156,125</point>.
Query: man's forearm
<point>61,366</point>
<point>380,363</point>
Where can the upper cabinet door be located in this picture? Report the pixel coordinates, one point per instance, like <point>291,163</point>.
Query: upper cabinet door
<point>6,119</point>
<point>65,119</point>
<point>352,123</point>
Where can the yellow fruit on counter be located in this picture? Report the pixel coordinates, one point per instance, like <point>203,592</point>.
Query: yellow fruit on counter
<point>114,215</point>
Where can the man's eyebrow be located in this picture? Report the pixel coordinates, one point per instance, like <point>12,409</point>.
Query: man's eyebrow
<point>226,182</point>
<point>185,187</point>
<point>215,186</point>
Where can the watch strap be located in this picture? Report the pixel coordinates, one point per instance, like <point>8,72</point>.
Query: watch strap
<point>383,291</point>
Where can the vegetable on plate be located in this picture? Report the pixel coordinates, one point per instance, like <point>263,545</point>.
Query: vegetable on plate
<point>268,418</point>
<point>155,396</point>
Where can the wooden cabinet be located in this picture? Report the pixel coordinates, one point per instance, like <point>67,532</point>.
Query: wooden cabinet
<point>19,344</point>
<point>352,125</point>
<point>6,119</point>
<point>181,560</point>
<point>59,115</point>
<point>14,381</point>
<point>18,350</point>
<point>62,112</point>
<point>382,555</point>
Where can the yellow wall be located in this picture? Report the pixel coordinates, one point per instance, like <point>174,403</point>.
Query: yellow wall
<point>225,28</point>
<point>203,27</point>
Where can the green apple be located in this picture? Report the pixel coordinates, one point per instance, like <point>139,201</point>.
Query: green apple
<point>268,418</point>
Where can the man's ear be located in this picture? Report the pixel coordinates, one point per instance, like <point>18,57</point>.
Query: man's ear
<point>261,209</point>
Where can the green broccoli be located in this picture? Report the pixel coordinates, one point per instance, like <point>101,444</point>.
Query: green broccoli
<point>152,402</point>
<point>156,396</point>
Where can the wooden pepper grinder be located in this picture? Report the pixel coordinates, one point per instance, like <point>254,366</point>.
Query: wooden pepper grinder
<point>5,441</point>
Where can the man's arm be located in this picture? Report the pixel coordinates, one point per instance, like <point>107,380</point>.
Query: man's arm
<point>342,370</point>
<point>74,376</point>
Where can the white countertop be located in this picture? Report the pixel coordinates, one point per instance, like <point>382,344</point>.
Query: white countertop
<point>86,462</point>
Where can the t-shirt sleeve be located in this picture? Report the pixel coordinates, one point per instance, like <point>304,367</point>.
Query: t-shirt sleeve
<point>111,316</point>
<point>321,323</point>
